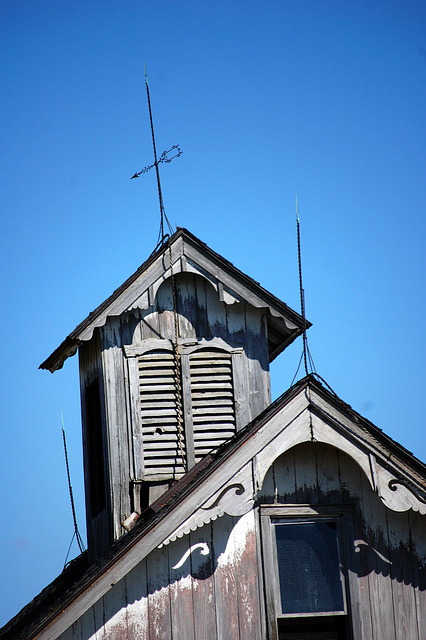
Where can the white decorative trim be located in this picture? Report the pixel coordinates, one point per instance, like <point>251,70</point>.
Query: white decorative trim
<point>373,467</point>
<point>189,346</point>
<point>235,498</point>
<point>397,494</point>
<point>186,346</point>
<point>150,344</point>
<point>361,543</point>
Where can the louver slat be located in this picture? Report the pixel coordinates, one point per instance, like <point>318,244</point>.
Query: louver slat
<point>158,413</point>
<point>213,414</point>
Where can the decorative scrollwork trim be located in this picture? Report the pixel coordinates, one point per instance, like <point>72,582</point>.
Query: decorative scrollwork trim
<point>239,489</point>
<point>393,486</point>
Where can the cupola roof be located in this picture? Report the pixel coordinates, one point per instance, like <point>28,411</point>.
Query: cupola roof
<point>188,254</point>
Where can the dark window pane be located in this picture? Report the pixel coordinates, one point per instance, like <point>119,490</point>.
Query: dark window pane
<point>317,629</point>
<point>308,567</point>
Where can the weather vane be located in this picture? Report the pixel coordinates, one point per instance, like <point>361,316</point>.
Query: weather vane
<point>166,156</point>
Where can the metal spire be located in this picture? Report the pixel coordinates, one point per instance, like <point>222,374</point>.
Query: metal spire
<point>165,157</point>
<point>306,355</point>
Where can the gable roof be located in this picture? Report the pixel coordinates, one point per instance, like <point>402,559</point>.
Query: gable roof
<point>191,255</point>
<point>306,412</point>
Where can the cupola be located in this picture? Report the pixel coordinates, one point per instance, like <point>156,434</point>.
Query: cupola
<point>172,364</point>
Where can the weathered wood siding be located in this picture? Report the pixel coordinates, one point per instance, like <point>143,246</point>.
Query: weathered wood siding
<point>115,390</point>
<point>210,584</point>
<point>244,383</point>
<point>204,586</point>
<point>386,559</point>
<point>130,450</point>
<point>201,314</point>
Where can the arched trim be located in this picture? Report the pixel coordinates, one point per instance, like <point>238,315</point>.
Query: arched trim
<point>309,428</point>
<point>394,491</point>
<point>186,346</point>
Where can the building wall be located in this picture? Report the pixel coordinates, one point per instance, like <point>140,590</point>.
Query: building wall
<point>210,584</point>
<point>201,315</point>
<point>386,557</point>
<point>192,596</point>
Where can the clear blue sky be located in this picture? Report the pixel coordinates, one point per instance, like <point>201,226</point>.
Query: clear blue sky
<point>267,98</point>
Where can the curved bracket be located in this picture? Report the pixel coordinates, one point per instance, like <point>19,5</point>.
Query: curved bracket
<point>397,494</point>
<point>235,498</point>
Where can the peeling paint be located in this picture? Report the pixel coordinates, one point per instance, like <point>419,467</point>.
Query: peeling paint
<point>237,540</point>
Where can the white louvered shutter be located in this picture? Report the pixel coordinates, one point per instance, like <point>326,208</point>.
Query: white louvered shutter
<point>212,398</point>
<point>157,390</point>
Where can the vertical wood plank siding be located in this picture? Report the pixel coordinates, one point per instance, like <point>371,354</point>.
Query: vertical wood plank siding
<point>181,589</point>
<point>137,608</point>
<point>117,422</point>
<point>159,610</point>
<point>179,593</point>
<point>202,567</point>
<point>418,550</point>
<point>379,564</point>
<point>401,572</point>
<point>140,420</point>
<point>383,567</point>
<point>225,579</point>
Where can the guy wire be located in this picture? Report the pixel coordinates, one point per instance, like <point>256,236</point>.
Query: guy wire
<point>76,531</point>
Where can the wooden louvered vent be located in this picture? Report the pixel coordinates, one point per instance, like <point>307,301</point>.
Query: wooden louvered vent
<point>212,397</point>
<point>162,457</point>
<point>207,404</point>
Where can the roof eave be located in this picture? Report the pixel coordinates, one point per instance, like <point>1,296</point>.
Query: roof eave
<point>65,350</point>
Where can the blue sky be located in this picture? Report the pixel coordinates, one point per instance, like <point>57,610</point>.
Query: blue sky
<point>326,99</point>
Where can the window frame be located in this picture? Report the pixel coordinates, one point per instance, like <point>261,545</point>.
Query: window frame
<point>340,514</point>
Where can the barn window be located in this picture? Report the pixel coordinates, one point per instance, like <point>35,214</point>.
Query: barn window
<point>305,574</point>
<point>206,401</point>
<point>308,567</point>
